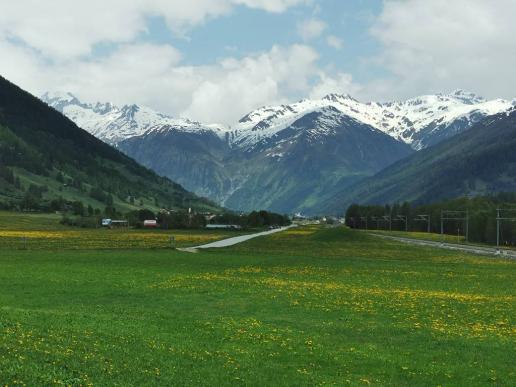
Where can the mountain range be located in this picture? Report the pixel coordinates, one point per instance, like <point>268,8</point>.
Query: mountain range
<point>284,158</point>
<point>478,162</point>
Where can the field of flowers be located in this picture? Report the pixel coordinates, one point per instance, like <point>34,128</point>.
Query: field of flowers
<point>44,232</point>
<point>447,238</point>
<point>308,306</point>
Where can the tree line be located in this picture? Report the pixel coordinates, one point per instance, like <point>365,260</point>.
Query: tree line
<point>186,220</point>
<point>481,212</point>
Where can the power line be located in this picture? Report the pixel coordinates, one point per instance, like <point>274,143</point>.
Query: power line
<point>424,218</point>
<point>377,220</point>
<point>389,219</point>
<point>403,218</point>
<point>455,215</point>
<point>499,218</point>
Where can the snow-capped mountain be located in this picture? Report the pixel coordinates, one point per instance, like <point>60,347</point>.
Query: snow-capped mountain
<point>417,121</point>
<point>322,152</point>
<point>285,158</point>
<point>113,124</point>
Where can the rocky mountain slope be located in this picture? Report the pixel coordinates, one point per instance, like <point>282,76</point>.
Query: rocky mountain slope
<point>284,158</point>
<point>478,162</point>
<point>419,122</point>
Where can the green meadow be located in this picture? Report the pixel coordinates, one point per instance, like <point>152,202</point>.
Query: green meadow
<point>309,306</point>
<point>44,232</point>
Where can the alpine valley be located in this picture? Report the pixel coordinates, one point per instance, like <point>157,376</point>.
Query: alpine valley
<point>285,158</point>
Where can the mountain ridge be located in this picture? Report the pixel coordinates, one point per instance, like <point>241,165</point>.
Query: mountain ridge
<point>478,162</point>
<point>239,166</point>
<point>414,121</point>
<point>45,157</point>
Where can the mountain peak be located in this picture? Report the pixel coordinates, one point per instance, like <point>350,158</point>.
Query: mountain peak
<point>334,97</point>
<point>112,123</point>
<point>414,121</point>
<point>466,97</point>
<point>58,95</point>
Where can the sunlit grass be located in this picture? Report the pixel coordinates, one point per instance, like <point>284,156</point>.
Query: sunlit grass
<point>309,306</point>
<point>44,232</point>
<point>447,238</point>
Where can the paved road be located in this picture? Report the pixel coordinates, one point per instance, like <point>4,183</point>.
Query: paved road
<point>235,240</point>
<point>450,246</point>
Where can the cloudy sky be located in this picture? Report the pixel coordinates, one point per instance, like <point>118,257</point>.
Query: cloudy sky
<point>215,60</point>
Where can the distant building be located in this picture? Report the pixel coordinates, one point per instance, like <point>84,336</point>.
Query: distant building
<point>223,226</point>
<point>208,216</point>
<point>110,223</point>
<point>150,223</point>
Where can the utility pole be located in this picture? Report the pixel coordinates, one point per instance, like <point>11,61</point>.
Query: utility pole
<point>442,226</point>
<point>377,220</point>
<point>498,229</point>
<point>467,226</point>
<point>424,218</point>
<point>501,217</point>
<point>364,219</point>
<point>405,219</point>
<point>457,216</point>
<point>388,218</point>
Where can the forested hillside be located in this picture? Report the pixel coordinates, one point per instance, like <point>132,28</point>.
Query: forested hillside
<point>477,162</point>
<point>48,163</point>
<point>481,212</point>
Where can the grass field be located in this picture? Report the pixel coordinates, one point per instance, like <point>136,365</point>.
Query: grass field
<point>447,238</point>
<point>44,232</point>
<point>307,306</point>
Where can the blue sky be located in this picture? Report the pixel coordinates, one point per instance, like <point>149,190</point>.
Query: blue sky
<point>250,30</point>
<point>245,31</point>
<point>215,60</point>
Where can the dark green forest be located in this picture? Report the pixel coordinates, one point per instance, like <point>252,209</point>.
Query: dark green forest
<point>481,212</point>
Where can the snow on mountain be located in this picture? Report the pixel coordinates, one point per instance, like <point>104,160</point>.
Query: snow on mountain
<point>413,121</point>
<point>112,123</point>
<point>419,122</point>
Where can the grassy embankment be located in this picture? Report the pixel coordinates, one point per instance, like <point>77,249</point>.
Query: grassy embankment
<point>303,307</point>
<point>423,236</point>
<point>446,238</point>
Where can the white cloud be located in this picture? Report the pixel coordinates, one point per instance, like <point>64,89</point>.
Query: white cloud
<point>49,47</point>
<point>341,83</point>
<point>311,28</point>
<point>334,42</point>
<point>61,29</point>
<point>153,75</point>
<point>439,45</point>
<point>234,87</point>
<point>271,5</point>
